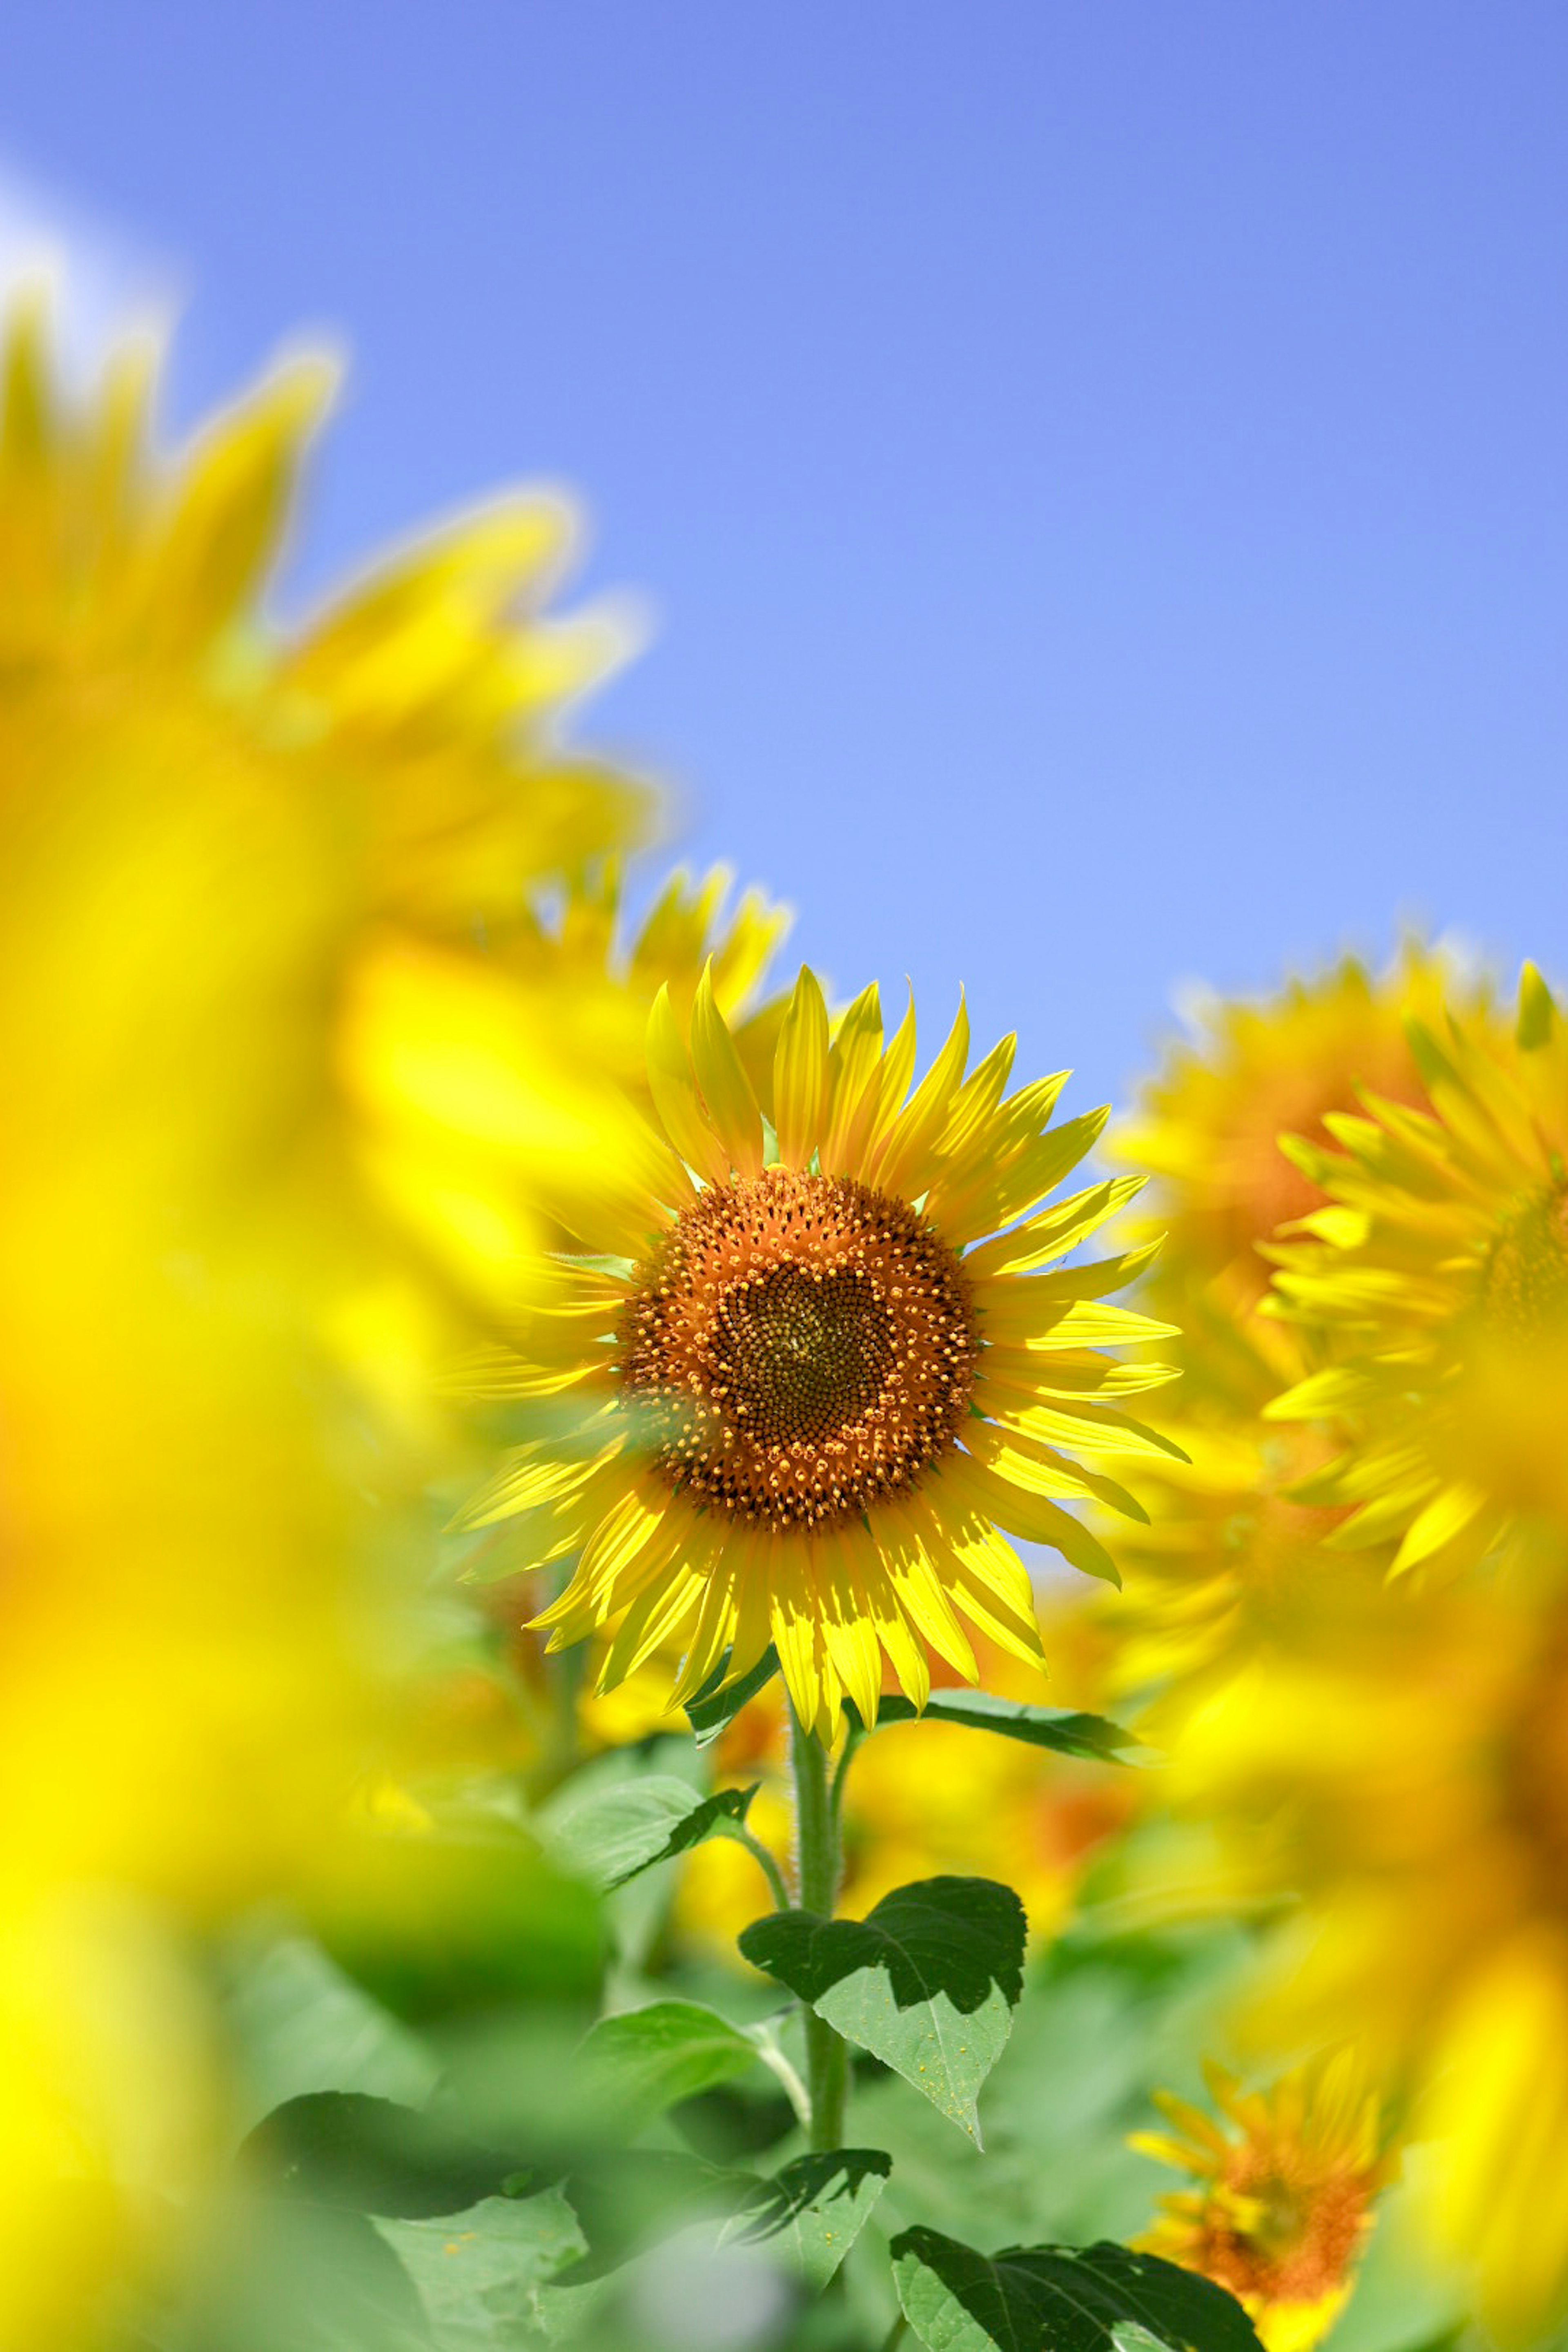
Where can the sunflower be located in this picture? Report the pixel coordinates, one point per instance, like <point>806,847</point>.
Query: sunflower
<point>1211,1578</point>
<point>1401,1772</point>
<point>810,1394</point>
<point>1284,2193</point>
<point>1436,1279</point>
<point>1209,1120</point>
<point>241,869</point>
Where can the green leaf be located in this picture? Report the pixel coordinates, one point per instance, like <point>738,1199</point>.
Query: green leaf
<point>927,1982</point>
<point>371,2156</point>
<point>811,2213</point>
<point>479,2273</point>
<point>611,1834</point>
<point>807,2217</point>
<point>1060,2299</point>
<point>714,1709</point>
<point>441,1925</point>
<point>645,2060</point>
<point>1060,1728</point>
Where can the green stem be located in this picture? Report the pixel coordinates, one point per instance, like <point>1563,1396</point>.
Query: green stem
<point>816,1855</point>
<point>764,1862</point>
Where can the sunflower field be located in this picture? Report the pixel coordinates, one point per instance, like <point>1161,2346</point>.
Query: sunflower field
<point>688,1667</point>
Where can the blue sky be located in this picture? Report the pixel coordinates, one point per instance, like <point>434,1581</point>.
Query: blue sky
<point>1100,470</point>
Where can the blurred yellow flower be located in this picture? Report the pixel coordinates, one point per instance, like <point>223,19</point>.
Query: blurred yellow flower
<point>804,1415</point>
<point>1213,1575</point>
<point>1284,2193</point>
<point>238,875</point>
<point>1436,1278</point>
<point>1209,1121</point>
<point>1403,1770</point>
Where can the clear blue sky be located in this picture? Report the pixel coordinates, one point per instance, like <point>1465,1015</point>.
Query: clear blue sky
<point>1101,469</point>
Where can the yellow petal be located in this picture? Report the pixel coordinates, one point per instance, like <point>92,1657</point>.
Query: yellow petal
<point>803,1085</point>
<point>854,1062</point>
<point>904,1161</point>
<point>674,1090</point>
<point>727,1094</point>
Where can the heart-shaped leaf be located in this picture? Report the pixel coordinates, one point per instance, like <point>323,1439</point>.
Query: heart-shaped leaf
<point>1060,2299</point>
<point>1063,1729</point>
<point>610,1834</point>
<point>927,1982</point>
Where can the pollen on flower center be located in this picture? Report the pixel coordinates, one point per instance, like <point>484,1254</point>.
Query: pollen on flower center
<point>799,1346</point>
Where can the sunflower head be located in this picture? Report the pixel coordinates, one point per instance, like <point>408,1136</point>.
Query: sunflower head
<point>814,1395</point>
<point>1209,1121</point>
<point>1283,2195</point>
<point>1435,1280</point>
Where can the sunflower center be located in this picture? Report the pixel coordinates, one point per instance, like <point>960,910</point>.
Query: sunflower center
<point>1525,1287</point>
<point>1303,2228</point>
<point>801,1352</point>
<point>799,1347</point>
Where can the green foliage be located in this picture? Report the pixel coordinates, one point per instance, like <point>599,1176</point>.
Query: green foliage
<point>610,1834</point>
<point>636,2064</point>
<point>927,1982</point>
<point>1062,1729</point>
<point>715,1708</point>
<point>478,2273</point>
<point>1060,2299</point>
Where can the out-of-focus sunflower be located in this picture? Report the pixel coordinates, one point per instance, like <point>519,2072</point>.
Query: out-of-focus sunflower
<point>1209,1121</point>
<point>809,1405</point>
<point>1402,1772</point>
<point>1213,1574</point>
<point>615,971</point>
<point>238,872</point>
<point>1284,2194</point>
<point>1436,1278</point>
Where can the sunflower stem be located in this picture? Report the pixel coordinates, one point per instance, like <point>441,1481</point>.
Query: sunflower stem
<point>816,1877</point>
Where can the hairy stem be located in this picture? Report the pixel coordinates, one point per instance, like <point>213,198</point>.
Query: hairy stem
<point>817,1872</point>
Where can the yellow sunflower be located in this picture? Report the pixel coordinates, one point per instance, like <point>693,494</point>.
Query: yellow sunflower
<point>1436,1277</point>
<point>810,1393</point>
<point>1402,1772</point>
<point>1284,2193</point>
<point>239,873</point>
<point>1230,1533</point>
<point>1208,1123</point>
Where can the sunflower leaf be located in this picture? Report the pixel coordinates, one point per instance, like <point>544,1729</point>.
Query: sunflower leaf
<point>1063,1729</point>
<point>609,1835</point>
<point>715,1708</point>
<point>810,2213</point>
<point>479,2273</point>
<point>641,2061</point>
<point>1099,2299</point>
<point>806,2218</point>
<point>927,1982</point>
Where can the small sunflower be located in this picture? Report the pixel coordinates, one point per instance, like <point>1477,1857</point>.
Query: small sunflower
<point>1436,1279</point>
<point>811,1393</point>
<point>1283,2200</point>
<point>1209,1121</point>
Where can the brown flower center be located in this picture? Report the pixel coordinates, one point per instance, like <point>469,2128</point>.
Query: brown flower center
<point>799,1346</point>
<point>1304,2229</point>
